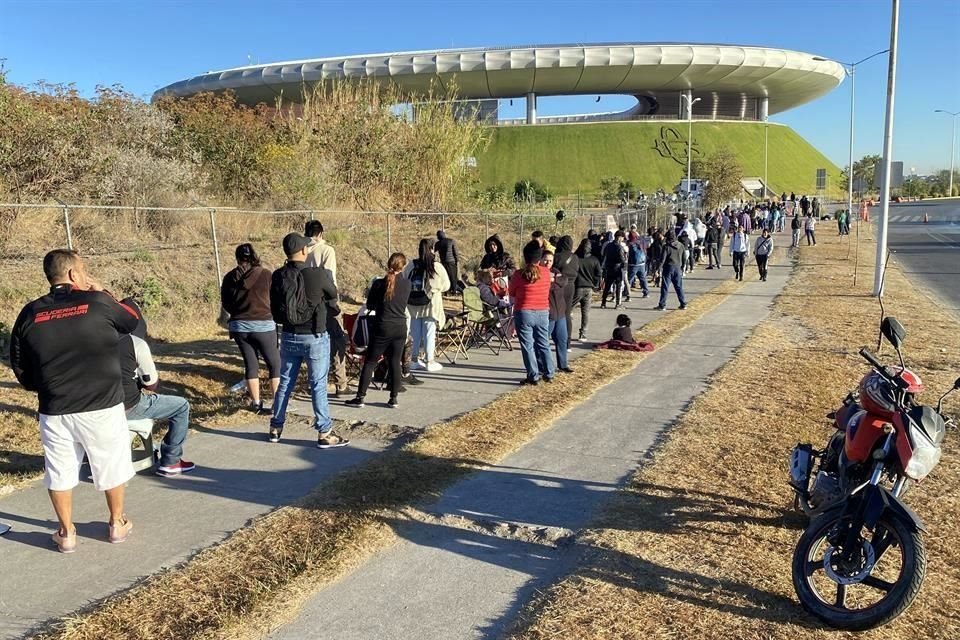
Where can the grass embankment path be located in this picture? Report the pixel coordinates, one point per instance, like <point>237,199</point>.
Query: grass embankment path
<point>262,571</point>
<point>700,542</point>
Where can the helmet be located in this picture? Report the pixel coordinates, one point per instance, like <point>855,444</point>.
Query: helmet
<point>912,380</point>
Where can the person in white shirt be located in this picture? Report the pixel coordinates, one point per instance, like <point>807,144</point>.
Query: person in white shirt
<point>811,228</point>
<point>739,245</point>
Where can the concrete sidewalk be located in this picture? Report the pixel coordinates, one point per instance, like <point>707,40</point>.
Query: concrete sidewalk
<point>491,541</point>
<point>474,382</point>
<point>239,477</point>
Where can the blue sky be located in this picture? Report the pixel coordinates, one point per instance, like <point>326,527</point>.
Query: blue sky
<point>144,45</point>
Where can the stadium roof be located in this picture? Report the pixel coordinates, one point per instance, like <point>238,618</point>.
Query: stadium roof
<point>721,71</point>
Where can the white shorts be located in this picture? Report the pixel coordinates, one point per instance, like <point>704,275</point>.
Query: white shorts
<point>102,434</point>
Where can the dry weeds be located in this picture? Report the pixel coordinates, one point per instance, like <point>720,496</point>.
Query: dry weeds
<point>260,574</point>
<point>699,544</point>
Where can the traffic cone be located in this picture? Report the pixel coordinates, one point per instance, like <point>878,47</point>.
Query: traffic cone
<point>926,218</point>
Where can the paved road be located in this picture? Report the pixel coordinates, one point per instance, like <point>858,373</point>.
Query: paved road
<point>929,252</point>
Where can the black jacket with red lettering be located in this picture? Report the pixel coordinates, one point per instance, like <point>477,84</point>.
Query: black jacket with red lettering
<point>65,346</point>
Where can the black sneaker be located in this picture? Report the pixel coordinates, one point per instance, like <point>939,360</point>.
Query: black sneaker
<point>566,369</point>
<point>356,402</point>
<point>412,380</point>
<point>683,306</point>
<point>659,307</point>
<point>548,379</point>
<point>530,381</point>
<point>392,403</point>
<point>274,435</point>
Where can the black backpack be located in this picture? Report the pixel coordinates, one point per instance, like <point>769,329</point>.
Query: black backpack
<point>418,282</point>
<point>289,297</point>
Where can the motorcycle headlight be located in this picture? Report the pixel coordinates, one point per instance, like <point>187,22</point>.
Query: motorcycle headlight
<point>925,457</point>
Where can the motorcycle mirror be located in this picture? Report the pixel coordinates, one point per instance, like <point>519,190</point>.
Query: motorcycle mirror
<point>893,331</point>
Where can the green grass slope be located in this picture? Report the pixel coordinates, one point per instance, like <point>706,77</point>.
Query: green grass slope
<point>575,157</point>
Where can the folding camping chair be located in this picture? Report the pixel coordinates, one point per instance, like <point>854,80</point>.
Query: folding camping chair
<point>452,338</point>
<point>488,328</point>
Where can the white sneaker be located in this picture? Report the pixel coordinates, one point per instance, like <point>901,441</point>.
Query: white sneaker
<point>433,365</point>
<point>417,365</point>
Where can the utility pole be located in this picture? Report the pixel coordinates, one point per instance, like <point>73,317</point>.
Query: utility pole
<point>887,152</point>
<point>953,146</point>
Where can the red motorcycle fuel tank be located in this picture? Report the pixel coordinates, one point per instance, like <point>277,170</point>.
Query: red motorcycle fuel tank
<point>863,433</point>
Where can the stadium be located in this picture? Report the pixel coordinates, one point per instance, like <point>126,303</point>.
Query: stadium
<point>722,83</point>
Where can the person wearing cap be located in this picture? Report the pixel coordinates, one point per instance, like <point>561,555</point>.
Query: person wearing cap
<point>300,299</point>
<point>324,256</point>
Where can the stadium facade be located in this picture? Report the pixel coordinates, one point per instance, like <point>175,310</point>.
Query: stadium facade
<point>721,81</point>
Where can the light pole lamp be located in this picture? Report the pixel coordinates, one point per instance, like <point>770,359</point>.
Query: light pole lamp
<point>953,145</point>
<point>850,69</point>
<point>690,102</point>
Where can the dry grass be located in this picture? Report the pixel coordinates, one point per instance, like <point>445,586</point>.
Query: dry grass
<point>259,574</point>
<point>700,542</point>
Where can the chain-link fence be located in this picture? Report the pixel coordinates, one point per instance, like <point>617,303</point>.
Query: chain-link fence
<point>173,260</point>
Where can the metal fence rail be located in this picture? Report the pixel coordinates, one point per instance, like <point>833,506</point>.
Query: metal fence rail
<point>107,229</point>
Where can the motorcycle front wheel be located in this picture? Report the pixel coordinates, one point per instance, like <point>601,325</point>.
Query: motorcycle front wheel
<point>867,588</point>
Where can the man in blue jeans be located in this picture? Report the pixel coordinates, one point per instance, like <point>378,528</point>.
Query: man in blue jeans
<point>139,374</point>
<point>637,264</point>
<point>671,271</point>
<point>300,298</point>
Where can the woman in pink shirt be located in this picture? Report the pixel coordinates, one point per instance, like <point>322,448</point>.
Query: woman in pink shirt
<point>530,292</point>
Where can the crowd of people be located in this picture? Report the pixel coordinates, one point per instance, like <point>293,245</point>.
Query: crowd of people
<point>86,356</point>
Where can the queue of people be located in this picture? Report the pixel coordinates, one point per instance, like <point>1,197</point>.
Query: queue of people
<point>86,355</point>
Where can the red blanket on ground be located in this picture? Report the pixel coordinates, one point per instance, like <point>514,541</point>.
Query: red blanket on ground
<point>619,345</point>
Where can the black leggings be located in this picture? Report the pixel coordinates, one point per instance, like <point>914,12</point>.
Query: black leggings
<point>261,344</point>
<point>389,345</point>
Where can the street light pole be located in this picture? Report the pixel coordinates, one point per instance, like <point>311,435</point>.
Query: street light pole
<point>850,69</point>
<point>887,151</point>
<point>953,145</point>
<point>690,102</point>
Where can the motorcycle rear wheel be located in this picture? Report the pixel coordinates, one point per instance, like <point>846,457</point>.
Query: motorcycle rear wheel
<point>894,536</point>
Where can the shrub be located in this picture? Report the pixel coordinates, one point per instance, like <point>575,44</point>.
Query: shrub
<point>527,190</point>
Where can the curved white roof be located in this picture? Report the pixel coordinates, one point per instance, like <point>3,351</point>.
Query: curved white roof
<point>787,78</point>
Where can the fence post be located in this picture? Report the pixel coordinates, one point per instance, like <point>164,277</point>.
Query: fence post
<point>66,223</point>
<point>486,227</point>
<point>443,222</point>
<point>216,244</point>
<point>520,237</point>
<point>389,236</point>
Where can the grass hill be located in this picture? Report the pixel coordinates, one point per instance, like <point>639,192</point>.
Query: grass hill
<point>575,157</point>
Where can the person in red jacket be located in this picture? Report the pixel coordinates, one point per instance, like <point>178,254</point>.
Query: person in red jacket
<point>530,291</point>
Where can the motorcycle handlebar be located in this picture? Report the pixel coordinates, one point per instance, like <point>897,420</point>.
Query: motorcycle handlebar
<point>882,370</point>
<point>872,359</point>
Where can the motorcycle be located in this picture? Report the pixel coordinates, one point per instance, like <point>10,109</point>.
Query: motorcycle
<point>861,561</point>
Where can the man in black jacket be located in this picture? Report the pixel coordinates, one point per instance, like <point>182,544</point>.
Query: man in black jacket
<point>446,250</point>
<point>566,262</point>
<point>65,347</point>
<point>713,244</point>
<point>671,271</point>
<point>587,281</point>
<point>300,298</point>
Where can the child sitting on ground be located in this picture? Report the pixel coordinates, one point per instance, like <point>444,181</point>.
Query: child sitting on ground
<point>623,332</point>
